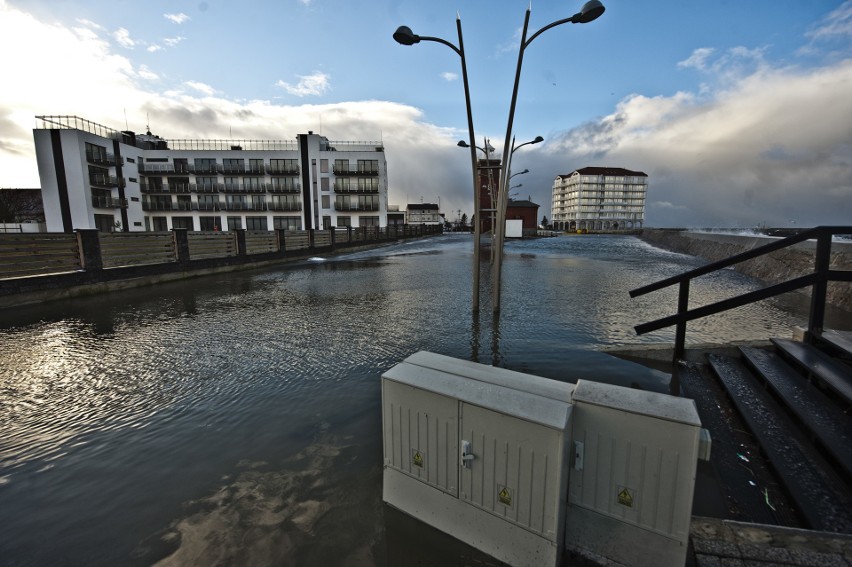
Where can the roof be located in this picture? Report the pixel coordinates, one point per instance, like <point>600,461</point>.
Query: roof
<point>423,207</point>
<point>524,203</point>
<point>609,171</point>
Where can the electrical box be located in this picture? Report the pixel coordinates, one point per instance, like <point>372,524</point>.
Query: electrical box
<point>522,467</point>
<point>480,453</point>
<point>632,475</point>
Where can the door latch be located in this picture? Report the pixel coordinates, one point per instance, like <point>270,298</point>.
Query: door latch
<point>466,455</point>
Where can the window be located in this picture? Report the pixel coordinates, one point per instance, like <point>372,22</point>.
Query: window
<point>232,183</point>
<point>182,223</point>
<point>181,165</point>
<point>283,166</point>
<point>368,166</point>
<point>235,223</point>
<point>341,166</point>
<point>324,183</point>
<point>184,203</point>
<point>232,165</point>
<point>131,160</point>
<point>326,202</point>
<point>105,223</point>
<point>256,165</point>
<point>256,223</point>
<point>368,184</point>
<point>344,221</point>
<point>204,165</point>
<point>97,154</point>
<point>323,166</point>
<point>159,224</point>
<point>287,223</point>
<point>342,185</point>
<point>284,184</point>
<point>206,183</point>
<point>326,223</point>
<point>209,223</point>
<point>368,221</point>
<point>285,203</point>
<point>208,203</point>
<point>252,183</point>
<point>133,180</point>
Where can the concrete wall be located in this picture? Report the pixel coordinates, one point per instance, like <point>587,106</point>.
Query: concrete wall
<point>772,268</point>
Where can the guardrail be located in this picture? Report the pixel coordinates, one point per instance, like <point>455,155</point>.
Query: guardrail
<point>818,280</point>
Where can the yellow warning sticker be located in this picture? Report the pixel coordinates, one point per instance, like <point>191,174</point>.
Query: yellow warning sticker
<point>417,458</point>
<point>625,497</point>
<point>505,496</point>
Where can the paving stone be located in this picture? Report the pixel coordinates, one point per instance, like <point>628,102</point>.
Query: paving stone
<point>816,559</point>
<point>707,560</point>
<point>764,553</point>
<point>732,562</point>
<point>716,547</point>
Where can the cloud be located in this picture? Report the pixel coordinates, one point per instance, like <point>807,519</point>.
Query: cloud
<point>449,77</point>
<point>698,59</point>
<point>308,85</point>
<point>200,87</point>
<point>176,18</point>
<point>172,41</point>
<point>153,48</point>
<point>838,24</point>
<point>773,147</point>
<point>122,36</point>
<point>146,73</point>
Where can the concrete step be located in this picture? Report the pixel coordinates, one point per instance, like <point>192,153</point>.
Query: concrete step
<point>742,471</point>
<point>823,499</point>
<point>822,419</point>
<point>839,341</point>
<point>820,367</point>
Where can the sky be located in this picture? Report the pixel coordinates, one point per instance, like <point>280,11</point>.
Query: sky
<point>739,112</point>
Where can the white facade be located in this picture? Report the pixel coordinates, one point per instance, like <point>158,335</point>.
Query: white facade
<point>96,177</point>
<point>425,213</point>
<point>599,198</point>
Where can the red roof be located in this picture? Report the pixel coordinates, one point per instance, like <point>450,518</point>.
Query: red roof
<point>608,171</point>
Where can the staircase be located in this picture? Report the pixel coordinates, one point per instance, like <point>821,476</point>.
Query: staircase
<point>790,436</point>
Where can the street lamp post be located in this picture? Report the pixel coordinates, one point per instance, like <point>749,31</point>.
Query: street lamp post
<point>487,150</point>
<point>405,36</point>
<point>590,11</point>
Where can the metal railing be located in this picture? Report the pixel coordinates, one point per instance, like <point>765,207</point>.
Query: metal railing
<point>818,279</point>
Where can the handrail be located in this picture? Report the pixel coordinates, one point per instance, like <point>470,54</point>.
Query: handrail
<point>818,279</point>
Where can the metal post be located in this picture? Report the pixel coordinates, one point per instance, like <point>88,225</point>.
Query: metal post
<point>503,181</point>
<point>822,261</point>
<point>680,328</point>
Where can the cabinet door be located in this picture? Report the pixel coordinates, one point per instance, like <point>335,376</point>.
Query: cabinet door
<point>421,435</point>
<point>515,472</point>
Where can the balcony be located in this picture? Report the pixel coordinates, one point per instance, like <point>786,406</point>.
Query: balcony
<point>108,203</point>
<point>285,206</point>
<point>168,188</point>
<point>103,180</point>
<point>355,170</point>
<point>145,168</point>
<point>339,206</point>
<point>204,169</point>
<point>156,206</point>
<point>242,188</point>
<point>343,188</point>
<point>295,188</point>
<point>206,187</point>
<point>104,159</point>
<point>282,170</point>
<point>244,207</point>
<point>202,206</point>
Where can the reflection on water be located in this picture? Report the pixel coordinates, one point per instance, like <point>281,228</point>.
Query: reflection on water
<point>235,418</point>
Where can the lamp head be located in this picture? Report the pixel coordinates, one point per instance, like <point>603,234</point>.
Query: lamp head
<point>591,10</point>
<point>537,140</point>
<point>463,144</point>
<point>405,36</point>
<point>524,171</point>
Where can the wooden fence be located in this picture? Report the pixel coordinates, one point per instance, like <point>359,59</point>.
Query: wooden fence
<point>89,251</point>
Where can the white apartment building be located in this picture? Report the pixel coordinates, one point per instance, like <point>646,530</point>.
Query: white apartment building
<point>424,213</point>
<point>94,177</point>
<point>599,198</point>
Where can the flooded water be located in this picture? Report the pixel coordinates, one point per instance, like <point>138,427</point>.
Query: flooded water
<point>235,419</point>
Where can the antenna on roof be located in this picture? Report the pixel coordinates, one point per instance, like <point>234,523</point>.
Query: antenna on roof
<point>147,124</point>
<point>126,126</point>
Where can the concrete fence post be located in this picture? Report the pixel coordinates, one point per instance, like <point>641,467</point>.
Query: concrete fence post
<point>282,247</point>
<point>241,242</point>
<point>181,241</point>
<point>89,245</point>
